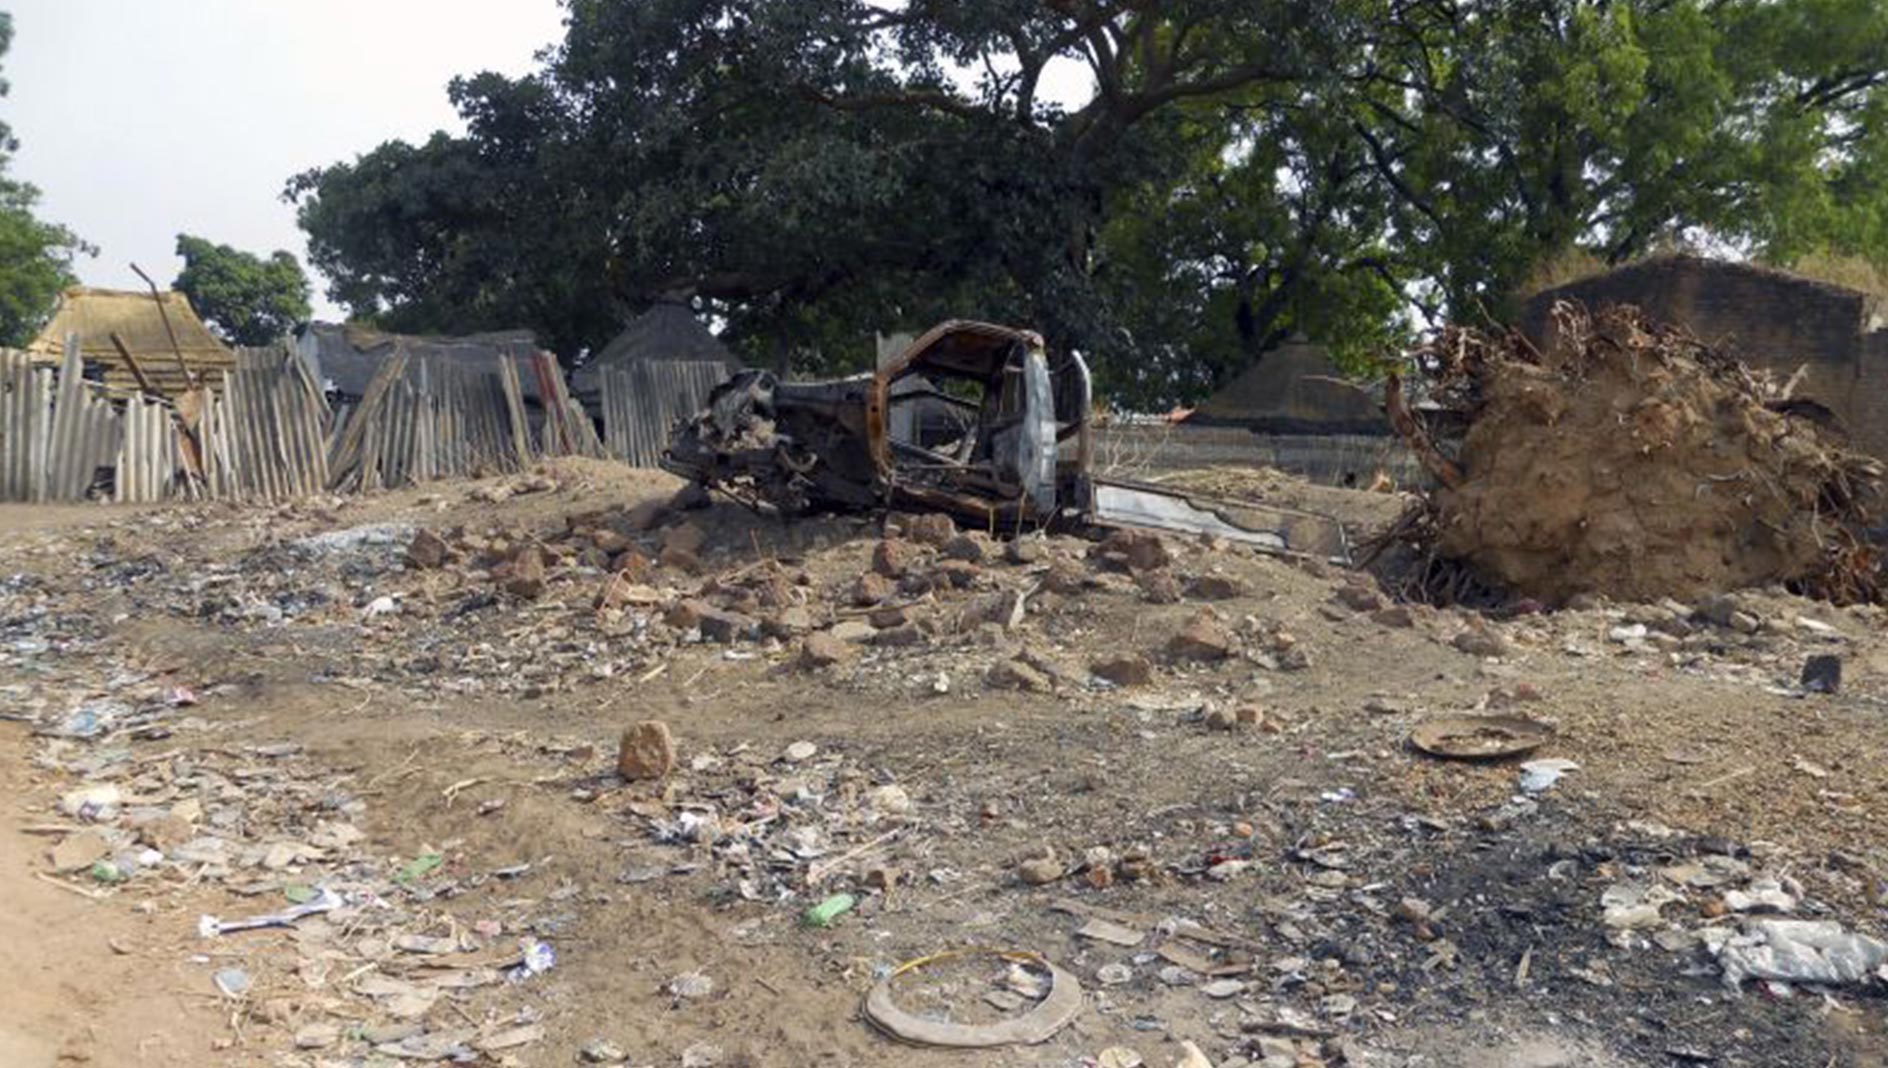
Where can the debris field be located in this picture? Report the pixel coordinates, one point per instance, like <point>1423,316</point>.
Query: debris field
<point>579,766</point>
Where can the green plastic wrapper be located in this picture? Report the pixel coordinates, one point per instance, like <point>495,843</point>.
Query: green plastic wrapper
<point>824,913</point>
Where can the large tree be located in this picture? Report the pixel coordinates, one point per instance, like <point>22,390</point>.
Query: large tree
<point>809,170</point>
<point>35,256</point>
<point>244,298</point>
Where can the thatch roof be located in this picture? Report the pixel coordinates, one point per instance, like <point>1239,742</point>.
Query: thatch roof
<point>1294,389</point>
<point>96,314</point>
<point>667,331</point>
<point>344,357</point>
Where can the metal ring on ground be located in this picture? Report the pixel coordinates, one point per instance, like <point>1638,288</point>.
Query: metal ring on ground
<point>1062,1005</point>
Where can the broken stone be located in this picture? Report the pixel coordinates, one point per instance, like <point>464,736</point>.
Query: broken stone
<point>601,1051</point>
<point>1480,641</point>
<point>609,541</point>
<point>905,636</point>
<point>956,574</point>
<point>872,588</point>
<point>931,528</point>
<point>1024,550</point>
<point>1397,615</point>
<point>317,1036</point>
<point>1064,578</point>
<point>428,551</point>
<point>527,577</point>
<point>1203,639</point>
<point>80,851</point>
<point>686,537</point>
<point>726,627</point>
<point>1006,609</point>
<point>647,751</point>
<point>1822,673</point>
<point>788,623</point>
<point>1131,669</point>
<point>1158,587</point>
<point>895,557</point>
<point>1220,719</point>
<point>1016,675</point>
<point>1134,550</point>
<point>1039,871</point>
<point>691,985</point>
<point>824,651</point>
<point>965,547</point>
<point>891,800</point>
<point>165,832</point>
<point>679,559</point>
<point>888,616</point>
<point>632,566</point>
<point>855,631</point>
<point>1216,588</point>
<point>1359,598</point>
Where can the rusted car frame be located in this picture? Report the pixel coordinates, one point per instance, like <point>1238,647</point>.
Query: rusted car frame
<point>972,419</point>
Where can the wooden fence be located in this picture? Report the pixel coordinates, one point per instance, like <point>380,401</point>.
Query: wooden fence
<point>55,430</point>
<point>264,430</point>
<point>643,401</point>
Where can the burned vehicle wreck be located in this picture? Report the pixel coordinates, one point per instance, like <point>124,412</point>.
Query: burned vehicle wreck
<point>974,420</point>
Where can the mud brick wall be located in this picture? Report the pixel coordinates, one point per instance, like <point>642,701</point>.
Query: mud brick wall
<point>1767,318</point>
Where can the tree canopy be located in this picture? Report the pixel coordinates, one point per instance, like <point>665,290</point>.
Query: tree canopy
<point>245,299</point>
<point>809,171</point>
<point>35,256</point>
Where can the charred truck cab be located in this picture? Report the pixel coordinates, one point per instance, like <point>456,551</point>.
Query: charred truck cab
<point>973,419</point>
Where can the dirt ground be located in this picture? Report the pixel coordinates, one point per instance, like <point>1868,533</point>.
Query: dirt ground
<point>1306,889</point>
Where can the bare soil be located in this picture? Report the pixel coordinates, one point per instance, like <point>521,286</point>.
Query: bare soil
<point>1297,840</point>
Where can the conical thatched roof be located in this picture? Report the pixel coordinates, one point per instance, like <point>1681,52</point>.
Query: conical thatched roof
<point>668,331</point>
<point>96,314</point>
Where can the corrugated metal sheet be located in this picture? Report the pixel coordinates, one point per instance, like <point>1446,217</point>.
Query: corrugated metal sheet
<point>642,402</point>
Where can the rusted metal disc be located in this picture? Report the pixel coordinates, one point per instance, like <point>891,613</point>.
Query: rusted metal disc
<point>1062,1004</point>
<point>1479,737</point>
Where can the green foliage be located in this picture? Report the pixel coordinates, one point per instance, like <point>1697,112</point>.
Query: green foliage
<point>810,171</point>
<point>35,256</point>
<point>244,298</point>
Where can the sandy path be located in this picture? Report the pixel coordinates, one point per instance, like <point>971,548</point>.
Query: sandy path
<point>71,998</point>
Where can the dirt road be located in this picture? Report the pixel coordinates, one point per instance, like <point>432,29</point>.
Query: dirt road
<point>287,707</point>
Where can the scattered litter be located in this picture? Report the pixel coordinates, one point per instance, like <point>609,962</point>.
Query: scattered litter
<point>1822,673</point>
<point>419,867</point>
<point>1801,951</point>
<point>325,900</point>
<point>690,986</point>
<point>537,959</point>
<point>1112,933</point>
<point>1539,776</point>
<point>231,982</point>
<point>824,913</point>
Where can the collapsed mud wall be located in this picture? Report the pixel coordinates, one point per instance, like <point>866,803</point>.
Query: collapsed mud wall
<point>1634,461</point>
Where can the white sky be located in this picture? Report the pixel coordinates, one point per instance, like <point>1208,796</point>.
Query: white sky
<point>143,119</point>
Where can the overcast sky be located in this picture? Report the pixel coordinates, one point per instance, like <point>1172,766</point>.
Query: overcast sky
<point>143,119</point>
